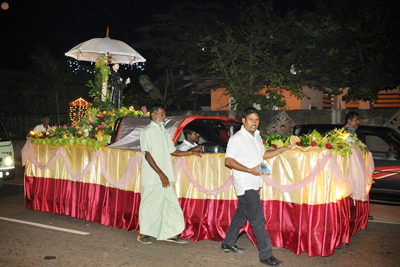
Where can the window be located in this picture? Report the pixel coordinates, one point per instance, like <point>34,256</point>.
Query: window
<point>376,143</point>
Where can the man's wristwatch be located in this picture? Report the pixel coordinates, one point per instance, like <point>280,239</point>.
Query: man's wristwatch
<point>248,170</point>
<point>280,150</point>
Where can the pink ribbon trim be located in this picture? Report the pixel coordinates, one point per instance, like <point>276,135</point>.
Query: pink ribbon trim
<point>29,154</point>
<point>358,183</point>
<point>336,173</point>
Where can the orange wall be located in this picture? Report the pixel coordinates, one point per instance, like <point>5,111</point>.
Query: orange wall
<point>219,101</point>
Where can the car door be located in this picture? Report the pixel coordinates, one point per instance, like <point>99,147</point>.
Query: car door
<point>386,188</point>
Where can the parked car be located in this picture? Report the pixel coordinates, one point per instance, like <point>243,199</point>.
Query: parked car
<point>384,144</point>
<point>214,131</point>
<point>7,167</point>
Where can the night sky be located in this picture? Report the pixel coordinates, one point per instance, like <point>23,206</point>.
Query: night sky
<point>60,25</point>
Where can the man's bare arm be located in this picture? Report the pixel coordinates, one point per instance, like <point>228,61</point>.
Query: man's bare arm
<point>164,179</point>
<point>233,164</point>
<point>272,153</point>
<point>178,153</point>
<point>196,148</point>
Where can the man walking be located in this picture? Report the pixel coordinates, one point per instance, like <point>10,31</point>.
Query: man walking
<point>160,214</point>
<point>244,154</point>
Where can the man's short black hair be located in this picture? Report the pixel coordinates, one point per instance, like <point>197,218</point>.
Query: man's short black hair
<point>248,111</point>
<point>187,131</point>
<point>350,116</point>
<point>154,109</point>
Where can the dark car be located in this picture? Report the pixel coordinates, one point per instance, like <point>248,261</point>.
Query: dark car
<point>384,144</point>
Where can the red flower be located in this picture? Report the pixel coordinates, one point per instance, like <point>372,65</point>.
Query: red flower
<point>313,143</point>
<point>49,136</point>
<point>101,115</point>
<point>274,146</point>
<point>93,136</point>
<point>328,145</point>
<point>298,143</point>
<point>264,142</point>
<point>339,146</point>
<point>78,135</point>
<point>42,136</point>
<point>101,126</point>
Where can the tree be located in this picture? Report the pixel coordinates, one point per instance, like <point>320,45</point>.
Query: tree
<point>253,55</point>
<point>351,44</point>
<point>49,73</point>
<point>172,41</point>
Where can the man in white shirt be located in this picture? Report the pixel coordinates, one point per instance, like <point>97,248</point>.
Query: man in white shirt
<point>43,127</point>
<point>189,144</point>
<point>244,154</point>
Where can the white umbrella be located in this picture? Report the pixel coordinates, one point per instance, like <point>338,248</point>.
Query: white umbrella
<point>92,49</point>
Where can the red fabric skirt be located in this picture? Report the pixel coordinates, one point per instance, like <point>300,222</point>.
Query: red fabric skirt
<point>315,229</point>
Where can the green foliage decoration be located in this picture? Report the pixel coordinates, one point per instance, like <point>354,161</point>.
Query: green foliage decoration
<point>335,140</point>
<point>94,130</point>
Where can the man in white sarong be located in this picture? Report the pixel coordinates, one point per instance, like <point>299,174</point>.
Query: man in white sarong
<point>160,214</point>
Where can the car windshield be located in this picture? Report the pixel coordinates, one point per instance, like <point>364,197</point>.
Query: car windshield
<point>215,131</point>
<point>4,136</point>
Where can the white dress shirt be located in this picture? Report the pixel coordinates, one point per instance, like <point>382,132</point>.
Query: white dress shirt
<point>186,145</point>
<point>40,128</point>
<point>248,150</point>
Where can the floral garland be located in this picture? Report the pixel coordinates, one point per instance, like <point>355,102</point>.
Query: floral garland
<point>94,130</point>
<point>337,140</point>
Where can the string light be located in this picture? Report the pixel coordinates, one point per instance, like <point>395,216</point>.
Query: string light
<point>76,66</point>
<point>78,109</point>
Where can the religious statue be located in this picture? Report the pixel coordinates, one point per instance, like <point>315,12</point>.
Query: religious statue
<point>117,86</point>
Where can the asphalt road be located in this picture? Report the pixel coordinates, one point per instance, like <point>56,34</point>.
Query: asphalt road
<point>80,243</point>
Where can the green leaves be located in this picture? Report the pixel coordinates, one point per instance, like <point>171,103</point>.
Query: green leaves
<point>251,58</point>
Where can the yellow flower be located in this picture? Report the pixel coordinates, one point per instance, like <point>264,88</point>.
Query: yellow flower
<point>131,108</point>
<point>65,135</point>
<point>99,137</point>
<point>104,112</point>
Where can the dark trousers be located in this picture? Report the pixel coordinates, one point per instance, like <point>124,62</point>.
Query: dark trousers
<point>250,208</point>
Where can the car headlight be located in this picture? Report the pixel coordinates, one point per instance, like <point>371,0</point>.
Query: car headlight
<point>8,161</point>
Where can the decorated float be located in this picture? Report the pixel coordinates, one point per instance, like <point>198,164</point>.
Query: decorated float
<point>315,198</point>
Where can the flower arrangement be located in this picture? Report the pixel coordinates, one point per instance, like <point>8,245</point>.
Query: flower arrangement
<point>337,140</point>
<point>94,130</point>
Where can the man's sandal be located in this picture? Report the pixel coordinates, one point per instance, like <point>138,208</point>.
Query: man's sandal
<point>144,240</point>
<point>177,240</point>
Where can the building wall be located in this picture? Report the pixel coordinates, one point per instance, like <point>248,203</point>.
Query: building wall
<point>219,101</point>
<point>315,98</point>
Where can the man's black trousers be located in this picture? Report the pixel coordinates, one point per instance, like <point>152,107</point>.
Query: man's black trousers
<point>250,208</point>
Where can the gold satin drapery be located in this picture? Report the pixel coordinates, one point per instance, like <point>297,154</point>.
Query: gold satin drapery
<point>209,171</point>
